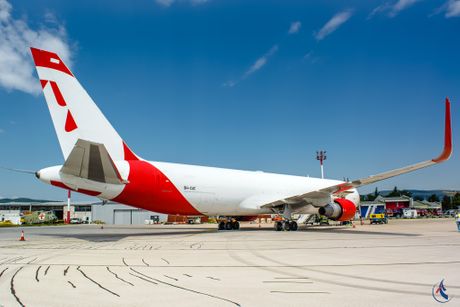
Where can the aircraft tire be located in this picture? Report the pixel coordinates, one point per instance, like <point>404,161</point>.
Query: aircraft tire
<point>278,226</point>
<point>228,226</point>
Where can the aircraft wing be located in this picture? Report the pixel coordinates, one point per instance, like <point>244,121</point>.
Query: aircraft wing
<point>343,188</point>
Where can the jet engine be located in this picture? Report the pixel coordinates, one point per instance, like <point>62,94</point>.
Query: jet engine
<point>340,210</point>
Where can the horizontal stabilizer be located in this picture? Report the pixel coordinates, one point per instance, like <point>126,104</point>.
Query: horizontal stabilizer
<point>91,161</point>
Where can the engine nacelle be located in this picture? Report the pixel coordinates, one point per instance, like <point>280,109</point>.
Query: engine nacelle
<point>341,210</point>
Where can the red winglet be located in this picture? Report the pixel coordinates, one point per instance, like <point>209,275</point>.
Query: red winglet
<point>48,59</point>
<point>447,137</point>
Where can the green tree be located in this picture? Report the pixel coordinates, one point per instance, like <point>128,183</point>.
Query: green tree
<point>418,198</point>
<point>447,203</point>
<point>433,198</point>
<point>406,193</point>
<point>394,193</point>
<point>456,201</point>
<point>376,193</point>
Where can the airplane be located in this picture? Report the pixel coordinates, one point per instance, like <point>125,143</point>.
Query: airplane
<point>99,163</point>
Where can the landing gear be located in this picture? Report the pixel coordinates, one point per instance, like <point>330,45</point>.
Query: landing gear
<point>286,226</point>
<point>229,225</point>
<point>278,226</point>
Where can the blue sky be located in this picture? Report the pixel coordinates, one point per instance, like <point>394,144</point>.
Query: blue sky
<point>258,85</point>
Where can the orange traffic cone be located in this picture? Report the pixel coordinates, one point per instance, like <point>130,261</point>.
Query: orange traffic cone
<point>22,236</point>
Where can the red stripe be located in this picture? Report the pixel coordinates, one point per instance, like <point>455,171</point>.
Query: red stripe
<point>70,124</point>
<point>150,189</point>
<point>43,83</point>
<point>129,155</point>
<point>83,191</point>
<point>57,93</point>
<point>49,59</point>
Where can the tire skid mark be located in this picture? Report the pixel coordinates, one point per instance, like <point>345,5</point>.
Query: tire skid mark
<point>140,277</point>
<point>187,275</point>
<point>286,282</point>
<point>197,244</point>
<point>10,260</point>
<point>66,270</point>
<point>123,259</point>
<point>145,262</point>
<point>46,271</point>
<point>118,277</point>
<point>73,286</point>
<point>187,289</point>
<point>36,273</point>
<point>171,277</point>
<point>13,291</point>
<point>95,282</point>
<point>32,260</point>
<point>1,273</point>
<point>213,278</point>
<point>165,260</point>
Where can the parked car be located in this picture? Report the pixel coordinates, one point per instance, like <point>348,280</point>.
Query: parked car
<point>76,220</point>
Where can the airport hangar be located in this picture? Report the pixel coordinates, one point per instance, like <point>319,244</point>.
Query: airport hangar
<point>109,213</point>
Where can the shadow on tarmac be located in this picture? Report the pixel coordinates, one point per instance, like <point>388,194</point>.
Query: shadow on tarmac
<point>114,233</point>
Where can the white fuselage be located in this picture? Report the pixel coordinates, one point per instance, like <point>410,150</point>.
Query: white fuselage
<point>210,190</point>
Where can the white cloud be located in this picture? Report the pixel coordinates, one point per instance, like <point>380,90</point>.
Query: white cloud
<point>310,57</point>
<point>2,131</point>
<point>17,71</point>
<point>392,9</point>
<point>258,64</point>
<point>335,22</point>
<point>452,8</point>
<point>168,3</point>
<point>295,27</point>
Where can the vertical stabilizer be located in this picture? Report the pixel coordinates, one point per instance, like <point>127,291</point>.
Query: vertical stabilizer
<point>74,114</point>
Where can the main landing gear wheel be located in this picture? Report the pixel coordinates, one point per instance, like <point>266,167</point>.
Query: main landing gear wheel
<point>278,226</point>
<point>286,226</point>
<point>229,225</point>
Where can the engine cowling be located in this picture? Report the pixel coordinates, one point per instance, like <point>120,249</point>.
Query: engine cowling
<point>341,209</point>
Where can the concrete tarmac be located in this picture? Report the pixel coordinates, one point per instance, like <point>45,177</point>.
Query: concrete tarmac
<point>196,265</point>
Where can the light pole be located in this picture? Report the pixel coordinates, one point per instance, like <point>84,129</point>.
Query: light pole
<point>321,156</point>
<point>67,220</point>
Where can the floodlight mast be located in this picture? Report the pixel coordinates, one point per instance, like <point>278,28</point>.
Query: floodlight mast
<point>321,156</point>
